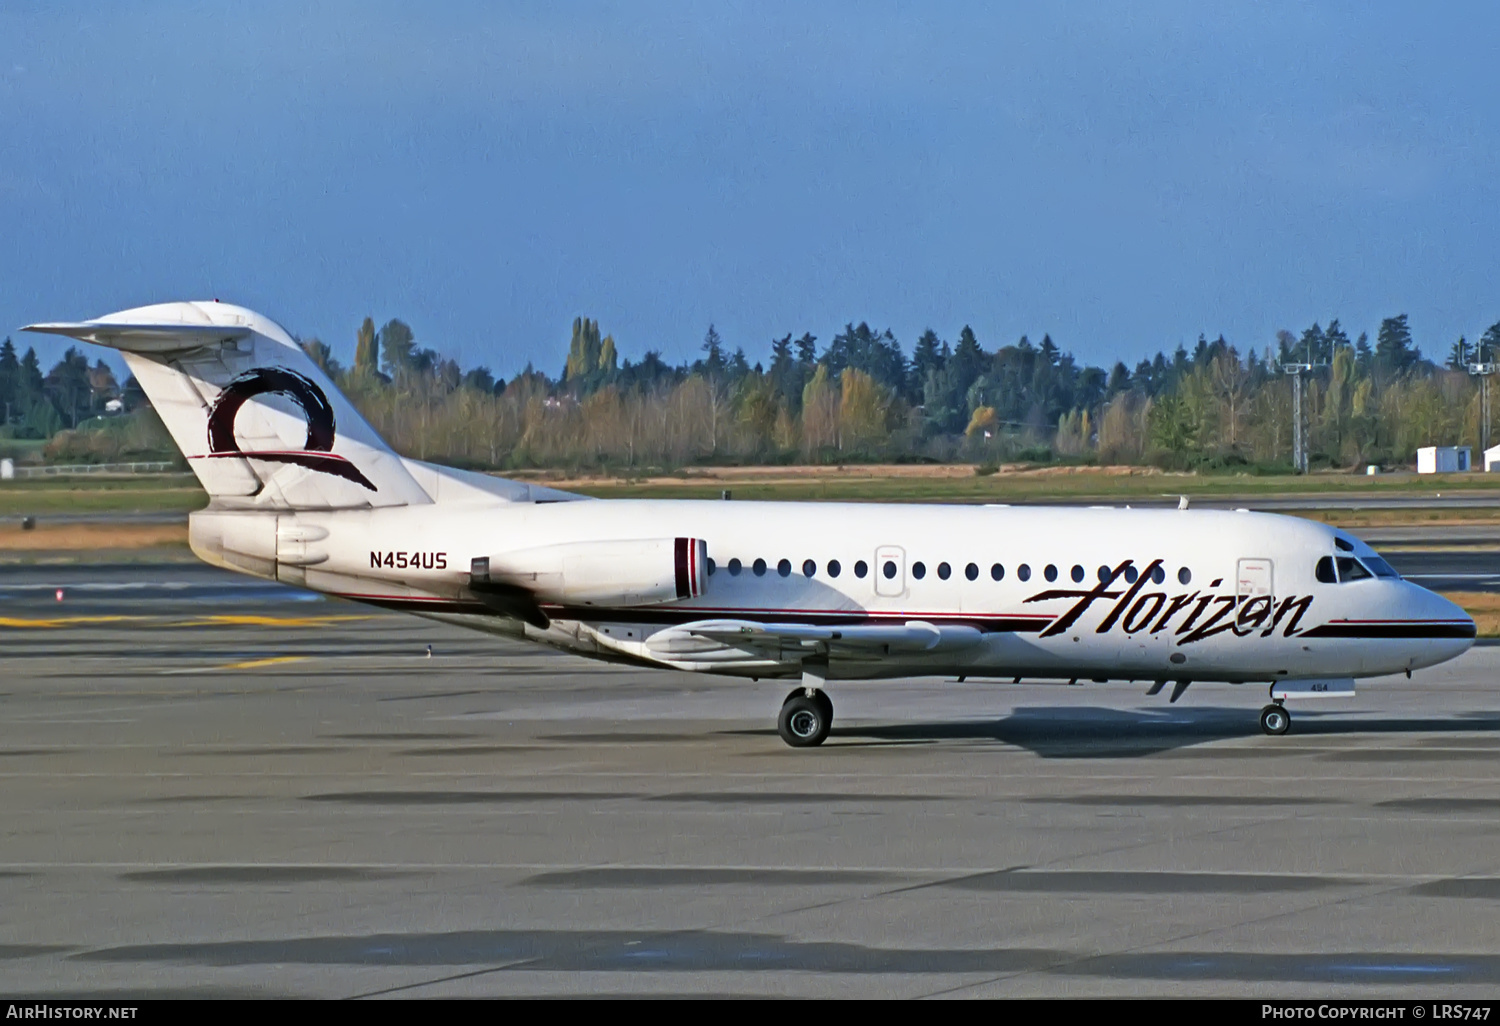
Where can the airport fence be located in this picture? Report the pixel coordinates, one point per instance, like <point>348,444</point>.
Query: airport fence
<point>9,470</point>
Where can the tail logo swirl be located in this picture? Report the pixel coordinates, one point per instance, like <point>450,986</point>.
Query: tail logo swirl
<point>316,452</point>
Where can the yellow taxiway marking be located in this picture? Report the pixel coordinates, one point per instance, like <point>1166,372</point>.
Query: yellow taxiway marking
<point>248,664</point>
<point>249,620</point>
<point>61,621</point>
<point>251,664</point>
<point>27,623</point>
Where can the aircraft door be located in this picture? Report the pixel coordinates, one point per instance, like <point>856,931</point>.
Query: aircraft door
<point>890,570</point>
<point>1254,579</point>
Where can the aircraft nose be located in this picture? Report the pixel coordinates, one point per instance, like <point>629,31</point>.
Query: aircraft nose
<point>1453,627</point>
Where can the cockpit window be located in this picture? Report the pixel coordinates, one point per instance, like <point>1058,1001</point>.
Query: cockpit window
<point>1325,572</point>
<point>1343,543</point>
<point>1381,567</point>
<point>1351,569</point>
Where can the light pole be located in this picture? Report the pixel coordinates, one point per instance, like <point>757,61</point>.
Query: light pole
<point>1299,419</point>
<point>1484,371</point>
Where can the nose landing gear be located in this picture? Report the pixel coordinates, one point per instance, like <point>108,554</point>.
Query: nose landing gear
<point>1275,720</point>
<point>805,719</point>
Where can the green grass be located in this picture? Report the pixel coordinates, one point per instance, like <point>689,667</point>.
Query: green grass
<point>181,493</point>
<point>136,494</point>
<point>1002,488</point>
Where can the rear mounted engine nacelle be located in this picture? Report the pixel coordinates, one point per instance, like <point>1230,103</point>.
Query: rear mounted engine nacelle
<point>604,573</point>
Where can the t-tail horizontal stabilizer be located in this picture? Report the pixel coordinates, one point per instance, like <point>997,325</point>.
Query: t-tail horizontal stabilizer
<point>259,422</point>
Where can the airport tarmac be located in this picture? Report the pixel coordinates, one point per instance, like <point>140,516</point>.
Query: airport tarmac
<point>213,786</point>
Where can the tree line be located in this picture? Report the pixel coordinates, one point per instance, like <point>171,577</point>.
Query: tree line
<point>860,396</point>
<point>35,405</point>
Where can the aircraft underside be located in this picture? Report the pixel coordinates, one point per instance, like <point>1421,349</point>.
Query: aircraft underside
<point>807,712</point>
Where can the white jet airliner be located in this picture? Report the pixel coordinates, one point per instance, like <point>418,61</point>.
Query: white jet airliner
<point>303,491</point>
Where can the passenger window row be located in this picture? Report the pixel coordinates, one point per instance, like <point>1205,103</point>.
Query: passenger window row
<point>944,571</point>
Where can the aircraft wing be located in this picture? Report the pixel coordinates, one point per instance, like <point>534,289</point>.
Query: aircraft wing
<point>911,636</point>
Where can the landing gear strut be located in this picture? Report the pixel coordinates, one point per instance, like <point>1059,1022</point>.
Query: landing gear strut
<point>805,719</point>
<point>1274,719</point>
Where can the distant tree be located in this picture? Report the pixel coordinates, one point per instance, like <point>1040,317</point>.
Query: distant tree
<point>102,385</point>
<point>396,342</point>
<point>983,421</point>
<point>67,385</point>
<point>927,358</point>
<point>820,412</point>
<point>1459,355</point>
<point>968,359</point>
<point>713,363</point>
<point>1394,351</point>
<point>863,408</point>
<point>583,351</point>
<point>1050,353</point>
<point>757,407</point>
<point>876,353</point>
<point>786,374</point>
<point>29,385</point>
<point>609,359</point>
<point>321,355</point>
<point>10,378</point>
<point>807,350</point>
<point>366,351</point>
<point>1334,339</point>
<point>1173,424</point>
<point>1181,364</point>
<point>1312,346</point>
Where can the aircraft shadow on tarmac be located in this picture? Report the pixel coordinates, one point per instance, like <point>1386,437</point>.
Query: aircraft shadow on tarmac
<point>1058,732</point>
<point>478,953</point>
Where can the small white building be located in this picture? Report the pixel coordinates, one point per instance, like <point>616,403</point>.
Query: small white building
<point>1492,459</point>
<point>1445,459</point>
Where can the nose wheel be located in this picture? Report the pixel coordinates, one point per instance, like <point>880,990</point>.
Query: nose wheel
<point>805,720</point>
<point>1275,720</point>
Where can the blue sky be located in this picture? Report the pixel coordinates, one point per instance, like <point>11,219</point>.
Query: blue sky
<point>1123,176</point>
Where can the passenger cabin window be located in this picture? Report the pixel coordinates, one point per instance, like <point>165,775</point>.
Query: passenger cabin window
<point>1023,572</point>
<point>784,568</point>
<point>1184,576</point>
<point>997,572</point>
<point>834,568</point>
<point>1050,573</point>
<point>889,570</point>
<point>861,568</point>
<point>972,571</point>
<point>1158,575</point>
<point>945,571</point>
<point>1077,574</point>
<point>734,567</point>
<point>1351,569</point>
<point>1131,574</point>
<point>918,570</point>
<point>759,567</point>
<point>809,568</point>
<point>1324,572</point>
<point>712,566</point>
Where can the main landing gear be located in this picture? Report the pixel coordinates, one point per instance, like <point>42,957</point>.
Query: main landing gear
<point>1274,719</point>
<point>805,718</point>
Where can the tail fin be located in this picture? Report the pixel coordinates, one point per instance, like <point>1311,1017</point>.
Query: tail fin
<point>259,422</point>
